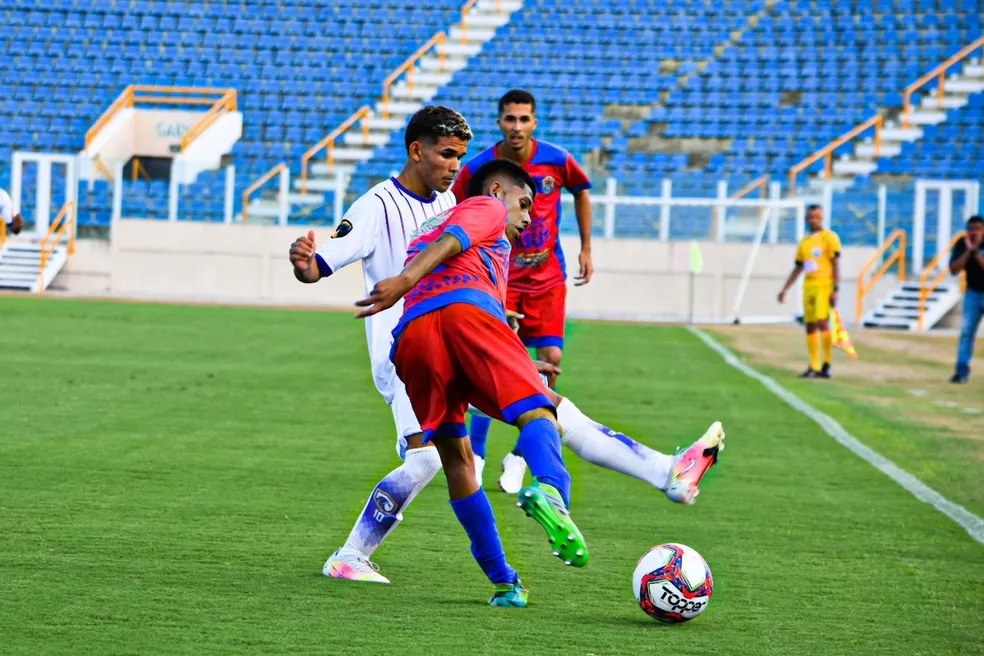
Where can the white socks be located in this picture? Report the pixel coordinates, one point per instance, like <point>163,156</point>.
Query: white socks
<point>384,509</point>
<point>606,448</point>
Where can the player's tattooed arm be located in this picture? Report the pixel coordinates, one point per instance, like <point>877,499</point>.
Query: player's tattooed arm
<point>388,292</point>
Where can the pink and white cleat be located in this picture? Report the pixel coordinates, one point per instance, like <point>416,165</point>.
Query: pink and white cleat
<point>690,465</point>
<point>353,567</point>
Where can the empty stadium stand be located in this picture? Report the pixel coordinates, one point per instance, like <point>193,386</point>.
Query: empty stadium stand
<point>696,90</point>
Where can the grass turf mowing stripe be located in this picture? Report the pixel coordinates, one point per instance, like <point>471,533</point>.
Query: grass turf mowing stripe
<point>970,522</point>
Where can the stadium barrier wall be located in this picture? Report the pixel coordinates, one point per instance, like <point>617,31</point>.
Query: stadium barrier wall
<point>635,279</point>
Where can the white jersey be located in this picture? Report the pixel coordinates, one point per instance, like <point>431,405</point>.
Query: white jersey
<point>6,207</point>
<point>383,220</point>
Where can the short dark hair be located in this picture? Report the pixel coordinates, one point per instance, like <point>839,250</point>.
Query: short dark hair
<point>517,97</point>
<point>435,121</point>
<point>811,207</point>
<point>501,168</point>
<point>977,218</point>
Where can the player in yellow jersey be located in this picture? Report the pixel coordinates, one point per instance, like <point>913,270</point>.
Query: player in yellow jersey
<point>817,258</point>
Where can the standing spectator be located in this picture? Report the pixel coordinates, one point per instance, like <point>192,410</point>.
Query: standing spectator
<point>968,255</point>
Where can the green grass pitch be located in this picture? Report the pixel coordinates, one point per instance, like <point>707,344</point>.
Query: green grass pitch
<point>172,479</point>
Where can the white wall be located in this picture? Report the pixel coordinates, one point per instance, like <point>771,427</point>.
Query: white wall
<point>634,279</point>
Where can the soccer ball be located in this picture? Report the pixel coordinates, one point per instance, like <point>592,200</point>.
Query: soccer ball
<point>672,583</point>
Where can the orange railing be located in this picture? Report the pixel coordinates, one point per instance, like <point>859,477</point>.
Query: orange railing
<point>926,285</point>
<point>464,17</point>
<point>409,65</point>
<point>938,72</point>
<point>3,234</point>
<point>760,184</point>
<point>827,152</point>
<point>137,94</point>
<point>329,142</point>
<point>224,105</point>
<point>256,185</point>
<point>63,226</point>
<point>865,286</point>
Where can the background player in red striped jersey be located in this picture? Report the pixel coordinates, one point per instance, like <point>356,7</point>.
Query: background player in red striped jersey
<point>537,271</point>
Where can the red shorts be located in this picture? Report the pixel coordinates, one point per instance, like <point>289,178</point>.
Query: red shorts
<point>460,355</point>
<point>544,313</point>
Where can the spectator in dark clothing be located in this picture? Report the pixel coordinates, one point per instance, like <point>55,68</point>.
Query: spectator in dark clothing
<point>968,255</point>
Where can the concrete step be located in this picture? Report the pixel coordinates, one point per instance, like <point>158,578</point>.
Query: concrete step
<point>866,150</point>
<point>901,134</point>
<point>854,167</point>
<point>485,19</point>
<point>926,117</point>
<point>973,70</point>
<point>350,155</point>
<point>318,184</point>
<point>456,48</point>
<point>431,79</point>
<point>15,274</point>
<point>321,169</point>
<point>398,107</point>
<point>404,91</point>
<point>473,34</point>
<point>492,6</point>
<point>354,137</point>
<point>263,208</point>
<point>897,313</point>
<point>297,198</point>
<point>964,85</point>
<point>390,124</point>
<point>948,101</point>
<point>836,183</point>
<point>450,65</point>
<point>885,324</point>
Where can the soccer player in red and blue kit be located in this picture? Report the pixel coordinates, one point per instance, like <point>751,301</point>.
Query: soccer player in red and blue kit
<point>537,272</point>
<point>453,347</point>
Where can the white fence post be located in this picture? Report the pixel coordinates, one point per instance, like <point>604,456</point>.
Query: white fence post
<point>721,211</point>
<point>611,188</point>
<point>664,210</point>
<point>283,197</point>
<point>775,192</point>
<point>230,193</point>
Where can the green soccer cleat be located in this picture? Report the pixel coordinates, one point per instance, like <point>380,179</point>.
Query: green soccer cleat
<point>510,595</point>
<point>544,504</point>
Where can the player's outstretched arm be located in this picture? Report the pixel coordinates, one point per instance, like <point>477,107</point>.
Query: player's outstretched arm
<point>388,292</point>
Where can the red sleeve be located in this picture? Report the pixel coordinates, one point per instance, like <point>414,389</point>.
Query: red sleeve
<point>460,186</point>
<point>575,179</point>
<point>478,220</point>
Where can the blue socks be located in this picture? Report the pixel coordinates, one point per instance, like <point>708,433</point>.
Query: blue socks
<point>475,514</point>
<point>479,432</point>
<point>539,442</point>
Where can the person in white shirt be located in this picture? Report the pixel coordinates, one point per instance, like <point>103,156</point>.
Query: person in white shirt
<point>14,222</point>
<point>377,229</point>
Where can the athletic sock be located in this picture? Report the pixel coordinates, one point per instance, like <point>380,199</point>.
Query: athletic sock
<point>826,339</point>
<point>479,432</point>
<point>474,512</point>
<point>539,441</point>
<point>610,449</point>
<point>813,348</point>
<point>391,496</point>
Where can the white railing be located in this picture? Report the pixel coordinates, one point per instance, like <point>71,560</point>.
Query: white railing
<point>726,223</point>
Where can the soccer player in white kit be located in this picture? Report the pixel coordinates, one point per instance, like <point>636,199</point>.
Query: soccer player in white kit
<point>14,222</point>
<point>377,229</point>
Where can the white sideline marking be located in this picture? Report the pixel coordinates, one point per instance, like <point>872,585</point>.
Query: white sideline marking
<point>970,522</point>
